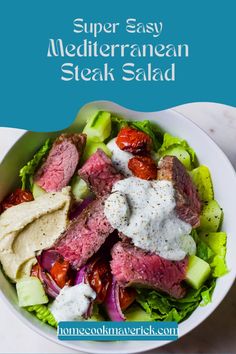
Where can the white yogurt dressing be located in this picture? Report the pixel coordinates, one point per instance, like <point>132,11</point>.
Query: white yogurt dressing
<point>72,302</point>
<point>120,158</point>
<point>145,212</point>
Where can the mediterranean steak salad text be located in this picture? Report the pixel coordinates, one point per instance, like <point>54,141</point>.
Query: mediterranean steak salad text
<point>117,223</point>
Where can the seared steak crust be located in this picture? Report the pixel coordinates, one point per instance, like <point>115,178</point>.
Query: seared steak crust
<point>61,163</point>
<point>188,205</point>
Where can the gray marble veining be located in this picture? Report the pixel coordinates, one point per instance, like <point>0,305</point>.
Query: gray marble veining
<point>218,121</point>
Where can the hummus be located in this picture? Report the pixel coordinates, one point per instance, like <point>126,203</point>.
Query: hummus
<point>30,227</point>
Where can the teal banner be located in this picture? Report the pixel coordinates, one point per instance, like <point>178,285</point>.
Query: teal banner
<point>56,56</point>
<point>118,331</point>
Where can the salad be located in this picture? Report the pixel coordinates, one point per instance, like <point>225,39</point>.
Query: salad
<point>116,223</point>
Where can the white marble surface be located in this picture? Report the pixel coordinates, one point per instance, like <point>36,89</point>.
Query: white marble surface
<point>218,333</point>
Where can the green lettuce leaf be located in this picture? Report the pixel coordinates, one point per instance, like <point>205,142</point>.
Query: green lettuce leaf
<point>27,172</point>
<point>216,243</point>
<point>203,251</point>
<point>206,297</point>
<point>43,313</point>
<point>116,124</point>
<point>162,307</point>
<point>219,266</point>
<point>170,142</point>
<point>147,127</point>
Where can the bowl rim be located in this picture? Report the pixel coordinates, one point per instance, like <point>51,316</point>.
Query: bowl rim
<point>148,344</point>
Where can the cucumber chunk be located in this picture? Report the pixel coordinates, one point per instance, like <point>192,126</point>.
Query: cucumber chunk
<point>181,154</point>
<point>98,127</point>
<point>30,292</point>
<point>136,313</point>
<point>79,188</point>
<point>211,216</point>
<point>198,272</point>
<point>91,147</point>
<point>37,191</point>
<point>202,179</point>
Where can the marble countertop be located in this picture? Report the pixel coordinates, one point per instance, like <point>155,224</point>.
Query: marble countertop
<point>218,333</point>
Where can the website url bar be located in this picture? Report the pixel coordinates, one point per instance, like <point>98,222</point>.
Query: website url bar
<point>103,331</point>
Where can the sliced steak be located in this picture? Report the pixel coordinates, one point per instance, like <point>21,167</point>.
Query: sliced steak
<point>132,266</point>
<point>188,205</point>
<point>88,232</point>
<point>85,235</point>
<point>61,163</point>
<point>99,173</point>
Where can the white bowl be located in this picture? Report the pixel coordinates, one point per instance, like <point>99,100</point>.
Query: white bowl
<point>20,147</point>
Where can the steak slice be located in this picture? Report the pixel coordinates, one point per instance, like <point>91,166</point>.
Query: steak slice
<point>188,205</point>
<point>61,163</point>
<point>99,173</point>
<point>132,266</point>
<point>85,234</point>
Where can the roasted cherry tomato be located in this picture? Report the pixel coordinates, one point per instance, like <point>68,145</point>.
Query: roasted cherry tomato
<point>143,167</point>
<point>99,277</point>
<point>17,197</point>
<point>134,141</point>
<point>60,272</point>
<point>126,297</point>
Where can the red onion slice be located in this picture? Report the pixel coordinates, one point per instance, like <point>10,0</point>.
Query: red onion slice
<point>80,278</point>
<point>47,259</point>
<point>50,286</point>
<point>112,303</point>
<point>80,275</point>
